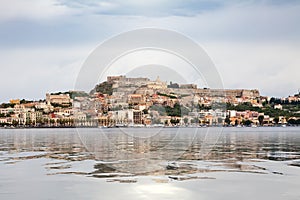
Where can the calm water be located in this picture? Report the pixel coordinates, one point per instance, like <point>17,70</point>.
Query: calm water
<point>156,163</point>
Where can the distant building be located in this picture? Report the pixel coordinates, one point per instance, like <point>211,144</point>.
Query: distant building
<point>125,79</point>
<point>278,106</point>
<point>137,117</point>
<point>3,121</point>
<point>122,116</point>
<point>232,113</point>
<point>229,93</point>
<point>157,84</point>
<point>62,99</point>
<point>188,86</point>
<point>173,85</point>
<point>136,99</point>
<point>14,101</point>
<point>114,78</point>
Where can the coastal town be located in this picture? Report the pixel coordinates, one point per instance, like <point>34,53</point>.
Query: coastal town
<point>140,102</point>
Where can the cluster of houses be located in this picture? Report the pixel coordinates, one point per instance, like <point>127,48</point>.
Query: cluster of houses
<point>137,102</point>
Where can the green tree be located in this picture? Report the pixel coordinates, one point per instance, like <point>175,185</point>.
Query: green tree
<point>236,122</point>
<point>185,120</point>
<point>261,119</point>
<point>227,120</point>
<point>247,122</point>
<point>174,121</point>
<point>104,88</point>
<point>15,123</point>
<point>276,120</point>
<point>294,121</point>
<point>177,110</point>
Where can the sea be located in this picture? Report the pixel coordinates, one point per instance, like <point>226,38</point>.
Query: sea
<point>207,163</point>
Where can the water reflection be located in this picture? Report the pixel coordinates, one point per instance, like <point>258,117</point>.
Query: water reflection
<point>120,157</point>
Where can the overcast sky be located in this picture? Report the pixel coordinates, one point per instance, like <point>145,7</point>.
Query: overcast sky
<point>43,43</point>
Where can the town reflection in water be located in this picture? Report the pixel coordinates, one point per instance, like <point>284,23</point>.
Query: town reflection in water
<point>174,153</point>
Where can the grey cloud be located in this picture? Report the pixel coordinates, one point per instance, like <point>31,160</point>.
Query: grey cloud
<point>242,22</point>
<point>159,8</point>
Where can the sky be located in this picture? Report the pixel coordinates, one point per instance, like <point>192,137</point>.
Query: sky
<point>253,43</point>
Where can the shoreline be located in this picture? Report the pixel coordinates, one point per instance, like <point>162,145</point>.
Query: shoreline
<point>147,127</point>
